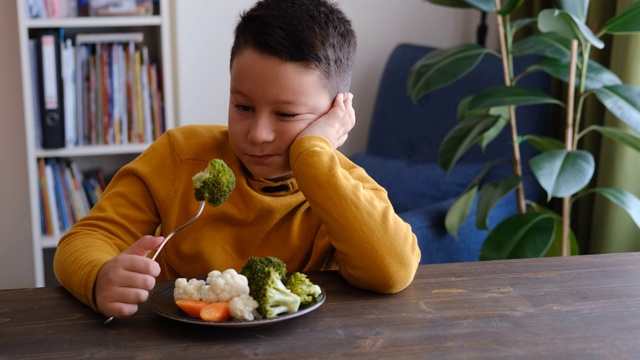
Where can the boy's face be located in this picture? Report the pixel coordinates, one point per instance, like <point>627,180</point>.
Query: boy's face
<point>271,102</point>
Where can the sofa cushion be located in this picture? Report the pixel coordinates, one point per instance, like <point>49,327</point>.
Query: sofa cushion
<point>412,185</point>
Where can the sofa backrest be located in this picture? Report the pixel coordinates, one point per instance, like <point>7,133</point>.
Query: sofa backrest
<point>402,128</point>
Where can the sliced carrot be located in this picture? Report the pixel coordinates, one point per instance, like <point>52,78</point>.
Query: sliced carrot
<point>218,311</point>
<point>191,307</point>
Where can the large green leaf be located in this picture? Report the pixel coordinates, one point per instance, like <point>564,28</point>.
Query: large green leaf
<point>519,236</point>
<point>597,75</point>
<point>563,173</point>
<point>450,3</point>
<point>489,135</point>
<point>509,6</point>
<point>490,193</point>
<point>442,67</point>
<point>626,22</point>
<point>577,8</point>
<point>522,23</point>
<point>482,5</point>
<point>495,130</point>
<point>545,44</point>
<point>624,199</point>
<point>543,143</point>
<point>621,136</point>
<point>623,101</point>
<point>555,249</point>
<point>567,26</point>
<point>464,135</point>
<point>460,210</point>
<point>510,95</point>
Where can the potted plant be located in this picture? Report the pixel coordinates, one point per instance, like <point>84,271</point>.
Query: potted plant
<point>562,167</point>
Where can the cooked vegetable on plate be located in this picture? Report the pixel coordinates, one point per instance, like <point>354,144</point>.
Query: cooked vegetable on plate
<point>262,289</point>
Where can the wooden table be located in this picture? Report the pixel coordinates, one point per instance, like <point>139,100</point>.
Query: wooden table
<point>558,308</point>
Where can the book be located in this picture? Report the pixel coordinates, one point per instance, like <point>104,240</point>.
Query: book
<point>139,127</point>
<point>47,221</point>
<point>156,101</point>
<point>35,85</point>
<point>69,91</point>
<point>67,194</point>
<point>51,93</point>
<point>53,204</point>
<point>78,179</point>
<point>62,196</point>
<point>146,97</point>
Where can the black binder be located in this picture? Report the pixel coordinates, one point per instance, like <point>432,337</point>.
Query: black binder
<point>51,92</point>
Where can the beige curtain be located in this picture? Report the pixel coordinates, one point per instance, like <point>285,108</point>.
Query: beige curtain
<point>612,230</point>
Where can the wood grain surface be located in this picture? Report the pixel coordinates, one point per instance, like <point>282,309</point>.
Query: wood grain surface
<point>583,307</point>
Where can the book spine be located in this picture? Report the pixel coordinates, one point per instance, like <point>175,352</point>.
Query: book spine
<point>146,96</point>
<point>51,92</point>
<point>139,108</point>
<point>53,203</point>
<point>69,90</point>
<point>47,220</point>
<point>64,195</point>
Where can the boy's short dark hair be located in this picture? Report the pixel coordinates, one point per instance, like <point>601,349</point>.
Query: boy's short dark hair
<point>314,33</point>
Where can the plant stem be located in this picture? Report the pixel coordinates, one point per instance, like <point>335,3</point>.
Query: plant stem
<point>507,68</point>
<point>569,145</point>
<point>583,78</point>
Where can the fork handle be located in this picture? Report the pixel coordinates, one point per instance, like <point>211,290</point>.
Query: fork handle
<point>155,255</point>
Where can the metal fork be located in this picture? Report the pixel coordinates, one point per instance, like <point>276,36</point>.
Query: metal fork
<point>202,204</point>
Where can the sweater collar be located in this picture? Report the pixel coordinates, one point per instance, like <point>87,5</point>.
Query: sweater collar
<point>271,188</point>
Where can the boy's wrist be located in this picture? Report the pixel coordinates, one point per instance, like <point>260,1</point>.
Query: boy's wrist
<point>306,143</point>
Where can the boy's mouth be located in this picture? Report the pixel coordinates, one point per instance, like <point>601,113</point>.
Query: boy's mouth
<point>259,159</point>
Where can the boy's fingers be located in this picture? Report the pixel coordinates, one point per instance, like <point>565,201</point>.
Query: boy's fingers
<point>144,245</point>
<point>348,99</point>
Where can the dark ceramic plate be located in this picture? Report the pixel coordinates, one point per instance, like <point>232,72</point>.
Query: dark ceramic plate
<point>161,299</point>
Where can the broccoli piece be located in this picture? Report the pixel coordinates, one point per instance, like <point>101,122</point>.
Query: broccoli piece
<point>256,265</point>
<point>215,183</point>
<point>299,284</point>
<point>266,286</point>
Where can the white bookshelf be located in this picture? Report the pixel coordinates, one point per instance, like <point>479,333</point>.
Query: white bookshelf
<point>110,157</point>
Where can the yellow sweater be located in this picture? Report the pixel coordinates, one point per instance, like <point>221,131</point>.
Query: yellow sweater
<point>334,216</point>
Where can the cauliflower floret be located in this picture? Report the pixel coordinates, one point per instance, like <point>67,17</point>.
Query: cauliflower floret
<point>243,307</point>
<point>224,286</point>
<point>188,290</point>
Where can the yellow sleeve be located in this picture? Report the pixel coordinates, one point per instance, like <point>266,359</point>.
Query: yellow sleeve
<point>127,210</point>
<point>375,249</point>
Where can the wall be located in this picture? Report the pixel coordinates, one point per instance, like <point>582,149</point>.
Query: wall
<point>16,249</point>
<point>204,37</point>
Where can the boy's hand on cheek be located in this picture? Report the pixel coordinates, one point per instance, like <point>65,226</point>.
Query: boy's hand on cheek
<point>125,280</point>
<point>336,123</point>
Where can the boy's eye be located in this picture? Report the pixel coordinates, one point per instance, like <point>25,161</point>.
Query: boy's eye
<point>244,108</point>
<point>286,115</point>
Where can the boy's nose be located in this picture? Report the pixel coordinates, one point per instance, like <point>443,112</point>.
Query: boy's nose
<point>262,130</point>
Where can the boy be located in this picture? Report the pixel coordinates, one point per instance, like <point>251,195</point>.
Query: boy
<point>296,197</point>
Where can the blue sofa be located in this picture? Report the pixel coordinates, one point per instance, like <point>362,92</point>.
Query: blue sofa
<point>402,151</point>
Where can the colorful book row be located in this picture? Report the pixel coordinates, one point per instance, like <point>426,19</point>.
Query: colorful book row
<point>66,194</point>
<point>110,91</point>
